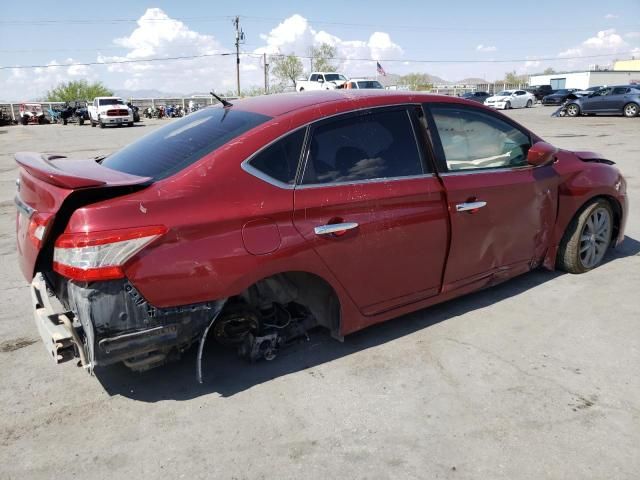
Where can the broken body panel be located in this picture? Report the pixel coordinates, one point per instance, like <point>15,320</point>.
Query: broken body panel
<point>227,230</point>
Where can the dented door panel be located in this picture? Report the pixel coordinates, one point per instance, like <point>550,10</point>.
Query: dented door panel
<point>512,230</point>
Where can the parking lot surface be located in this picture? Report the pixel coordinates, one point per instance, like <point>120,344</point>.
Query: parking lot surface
<point>533,379</point>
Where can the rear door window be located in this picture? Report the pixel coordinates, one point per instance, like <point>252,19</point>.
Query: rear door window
<point>279,161</point>
<point>363,147</point>
<point>182,142</point>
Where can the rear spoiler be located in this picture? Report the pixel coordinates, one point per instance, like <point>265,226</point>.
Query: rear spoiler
<point>62,172</point>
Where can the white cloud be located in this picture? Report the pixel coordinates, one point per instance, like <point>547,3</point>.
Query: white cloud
<point>611,16</point>
<point>22,84</point>
<point>632,35</point>
<point>486,48</point>
<point>295,35</point>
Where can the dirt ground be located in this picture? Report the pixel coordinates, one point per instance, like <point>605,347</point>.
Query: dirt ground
<point>534,379</point>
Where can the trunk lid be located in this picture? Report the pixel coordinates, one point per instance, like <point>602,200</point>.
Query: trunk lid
<point>46,183</point>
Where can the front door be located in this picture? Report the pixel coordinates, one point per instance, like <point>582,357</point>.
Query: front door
<point>502,210</point>
<point>597,101</point>
<point>372,209</point>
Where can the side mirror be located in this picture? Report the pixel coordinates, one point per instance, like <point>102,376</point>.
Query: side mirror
<point>320,80</point>
<point>541,153</point>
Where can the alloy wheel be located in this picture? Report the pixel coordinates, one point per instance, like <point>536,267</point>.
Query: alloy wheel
<point>631,110</point>
<point>595,238</point>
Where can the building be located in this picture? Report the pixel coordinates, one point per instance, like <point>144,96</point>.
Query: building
<point>586,79</point>
<point>632,65</point>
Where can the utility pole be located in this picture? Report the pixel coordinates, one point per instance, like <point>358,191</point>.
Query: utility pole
<point>266,74</point>
<point>239,40</point>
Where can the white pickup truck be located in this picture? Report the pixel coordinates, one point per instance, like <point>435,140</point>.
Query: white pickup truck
<point>321,81</point>
<point>109,111</point>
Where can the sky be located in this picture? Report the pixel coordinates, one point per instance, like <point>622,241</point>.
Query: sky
<point>472,39</point>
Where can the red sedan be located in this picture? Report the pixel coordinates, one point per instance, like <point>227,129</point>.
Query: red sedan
<point>258,221</point>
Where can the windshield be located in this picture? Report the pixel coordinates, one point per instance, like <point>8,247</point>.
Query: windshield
<point>33,107</point>
<point>173,147</point>
<point>562,91</point>
<point>110,101</point>
<point>332,77</point>
<point>370,84</point>
<point>504,93</point>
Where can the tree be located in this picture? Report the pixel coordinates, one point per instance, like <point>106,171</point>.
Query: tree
<point>416,81</point>
<point>286,68</point>
<point>549,71</point>
<point>514,79</point>
<point>77,90</point>
<point>322,58</point>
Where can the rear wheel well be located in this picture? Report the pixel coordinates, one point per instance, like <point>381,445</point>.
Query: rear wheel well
<point>304,288</point>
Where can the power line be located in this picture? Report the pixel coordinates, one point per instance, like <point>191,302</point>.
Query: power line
<point>252,18</point>
<point>387,60</point>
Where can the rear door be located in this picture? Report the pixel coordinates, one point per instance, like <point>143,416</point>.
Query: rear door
<point>372,208</point>
<point>502,210</point>
<point>616,100</point>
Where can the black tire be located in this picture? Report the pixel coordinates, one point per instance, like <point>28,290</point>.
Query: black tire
<point>100,122</point>
<point>24,120</point>
<point>575,241</point>
<point>64,121</point>
<point>301,89</point>
<point>507,106</point>
<point>131,124</point>
<point>631,110</point>
<point>573,110</point>
<point>529,103</point>
<point>80,121</point>
<point>93,124</point>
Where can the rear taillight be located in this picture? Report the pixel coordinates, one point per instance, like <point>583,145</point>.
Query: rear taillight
<point>100,255</point>
<point>38,224</point>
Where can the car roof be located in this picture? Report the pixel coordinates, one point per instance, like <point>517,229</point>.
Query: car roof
<point>282,103</point>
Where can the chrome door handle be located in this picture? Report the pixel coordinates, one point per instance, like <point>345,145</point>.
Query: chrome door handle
<point>334,228</point>
<point>468,206</point>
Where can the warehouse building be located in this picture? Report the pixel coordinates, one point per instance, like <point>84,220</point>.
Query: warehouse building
<point>585,79</point>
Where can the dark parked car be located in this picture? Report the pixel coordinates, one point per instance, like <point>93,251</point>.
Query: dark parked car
<point>559,96</point>
<point>479,97</point>
<point>261,220</point>
<point>618,100</point>
<point>540,91</point>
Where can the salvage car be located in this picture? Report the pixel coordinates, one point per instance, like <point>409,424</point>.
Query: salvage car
<point>559,96</point>
<point>507,99</point>
<point>618,100</point>
<point>263,219</point>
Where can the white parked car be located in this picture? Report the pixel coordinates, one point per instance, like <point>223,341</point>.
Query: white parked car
<point>321,81</point>
<point>110,111</point>
<point>507,99</point>
<point>360,83</point>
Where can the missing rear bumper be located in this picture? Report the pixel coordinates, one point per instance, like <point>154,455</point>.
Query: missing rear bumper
<point>54,324</point>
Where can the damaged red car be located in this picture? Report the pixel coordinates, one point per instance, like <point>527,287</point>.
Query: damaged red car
<point>258,221</point>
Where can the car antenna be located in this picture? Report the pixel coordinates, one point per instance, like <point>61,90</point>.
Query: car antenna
<point>225,103</point>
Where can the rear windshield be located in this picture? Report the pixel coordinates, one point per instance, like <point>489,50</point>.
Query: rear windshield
<point>177,145</point>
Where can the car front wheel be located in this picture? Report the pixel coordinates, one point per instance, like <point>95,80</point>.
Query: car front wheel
<point>529,103</point>
<point>630,110</point>
<point>587,238</point>
<point>507,105</point>
<point>573,110</point>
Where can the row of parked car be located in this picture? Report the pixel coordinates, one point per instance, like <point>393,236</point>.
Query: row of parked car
<point>620,99</point>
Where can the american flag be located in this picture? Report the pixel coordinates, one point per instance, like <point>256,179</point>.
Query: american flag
<point>380,69</point>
